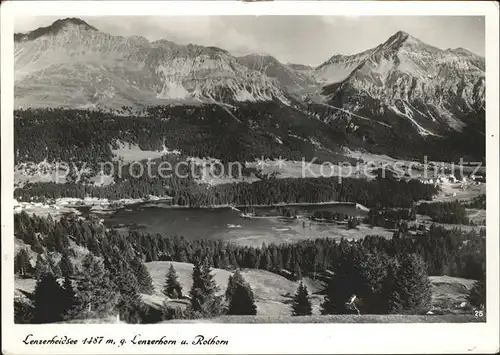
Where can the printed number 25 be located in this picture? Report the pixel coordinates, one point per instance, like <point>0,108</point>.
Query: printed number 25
<point>478,314</point>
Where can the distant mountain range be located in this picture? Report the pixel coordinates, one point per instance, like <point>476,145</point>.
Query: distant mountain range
<point>403,82</point>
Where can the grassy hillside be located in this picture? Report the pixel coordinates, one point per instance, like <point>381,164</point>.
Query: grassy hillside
<point>449,292</point>
<point>272,292</point>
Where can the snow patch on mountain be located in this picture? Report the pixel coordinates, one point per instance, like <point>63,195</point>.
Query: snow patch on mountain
<point>408,114</point>
<point>173,90</point>
<point>244,95</point>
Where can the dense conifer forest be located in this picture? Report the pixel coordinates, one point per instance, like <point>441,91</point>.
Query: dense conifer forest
<point>350,131</point>
<point>186,192</point>
<point>243,133</point>
<point>445,212</point>
<point>441,251</point>
<point>388,275</point>
<point>232,134</point>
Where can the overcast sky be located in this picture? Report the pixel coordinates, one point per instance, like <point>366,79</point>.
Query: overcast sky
<point>298,39</point>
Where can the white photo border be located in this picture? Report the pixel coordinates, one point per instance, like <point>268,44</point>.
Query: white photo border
<point>258,338</point>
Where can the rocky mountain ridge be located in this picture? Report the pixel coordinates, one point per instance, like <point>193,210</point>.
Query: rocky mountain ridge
<point>432,88</point>
<point>401,81</point>
<point>73,64</point>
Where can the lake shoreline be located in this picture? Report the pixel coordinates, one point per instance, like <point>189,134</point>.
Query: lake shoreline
<point>104,206</point>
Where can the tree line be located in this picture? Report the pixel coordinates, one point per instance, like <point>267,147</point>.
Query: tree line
<point>468,144</point>
<point>371,288</point>
<point>242,133</point>
<point>445,212</point>
<point>452,252</point>
<point>237,133</point>
<point>112,275</point>
<point>187,192</point>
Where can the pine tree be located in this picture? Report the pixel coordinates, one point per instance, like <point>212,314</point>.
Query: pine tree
<point>234,279</point>
<point>197,288</point>
<point>232,259</point>
<point>23,312</point>
<point>172,287</point>
<point>42,266</point>
<point>242,302</point>
<point>129,301</point>
<point>50,241</point>
<point>33,240</point>
<point>338,291</point>
<point>204,301</point>
<point>68,297</point>
<point>93,245</point>
<point>22,264</point>
<point>66,265</point>
<point>210,284</point>
<point>48,297</point>
<point>143,277</point>
<point>368,278</point>
<point>301,305</point>
<point>240,296</point>
<point>477,294</point>
<point>343,283</point>
<point>60,240</point>
<point>96,294</point>
<point>319,261</point>
<point>412,289</point>
<point>297,273</point>
<point>388,285</point>
<point>277,262</point>
<point>54,267</point>
<point>265,260</point>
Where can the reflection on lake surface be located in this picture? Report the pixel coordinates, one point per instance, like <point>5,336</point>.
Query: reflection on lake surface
<point>227,224</point>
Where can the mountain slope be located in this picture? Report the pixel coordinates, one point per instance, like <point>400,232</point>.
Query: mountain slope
<point>70,64</point>
<point>295,79</point>
<point>338,67</point>
<point>401,92</point>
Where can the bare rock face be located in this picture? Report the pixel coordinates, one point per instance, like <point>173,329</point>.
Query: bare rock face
<point>431,88</point>
<point>73,64</point>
